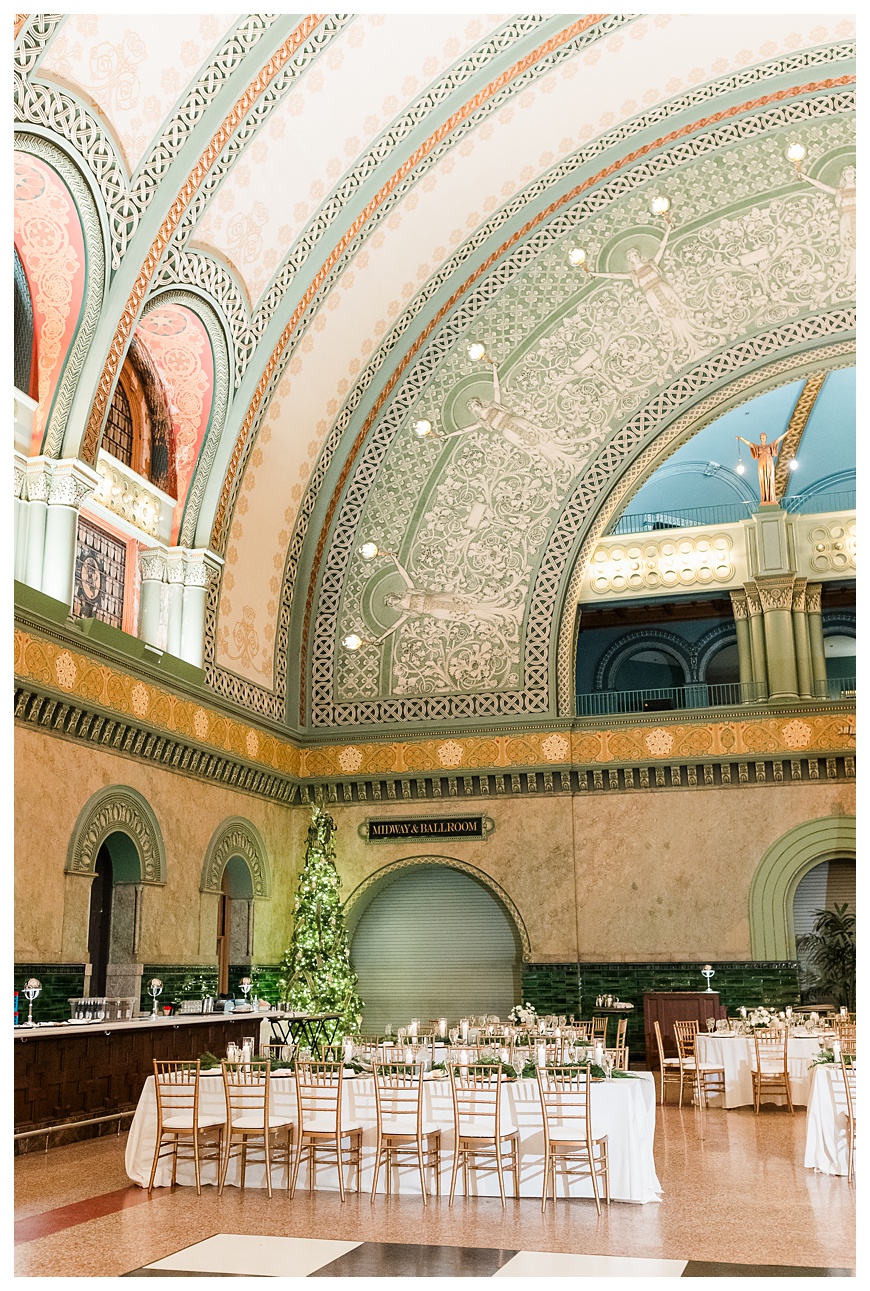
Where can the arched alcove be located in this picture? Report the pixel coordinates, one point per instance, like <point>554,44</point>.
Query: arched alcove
<point>234,873</point>
<point>429,938</point>
<point>771,894</point>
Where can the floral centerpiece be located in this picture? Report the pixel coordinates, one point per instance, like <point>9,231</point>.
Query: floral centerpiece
<point>825,1056</point>
<point>523,1014</point>
<point>762,1018</point>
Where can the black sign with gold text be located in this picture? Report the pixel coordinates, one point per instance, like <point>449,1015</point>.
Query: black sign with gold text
<point>391,830</point>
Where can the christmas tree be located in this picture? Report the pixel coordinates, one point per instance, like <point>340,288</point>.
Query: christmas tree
<point>317,976</point>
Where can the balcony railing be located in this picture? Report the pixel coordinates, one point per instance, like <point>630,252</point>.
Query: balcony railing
<point>662,699</point>
<point>729,513</point>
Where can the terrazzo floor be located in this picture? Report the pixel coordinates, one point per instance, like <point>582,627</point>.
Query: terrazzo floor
<point>737,1201</point>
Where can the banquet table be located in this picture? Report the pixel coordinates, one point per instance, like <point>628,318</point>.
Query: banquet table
<point>827,1149</point>
<point>733,1052</point>
<point>623,1109</point>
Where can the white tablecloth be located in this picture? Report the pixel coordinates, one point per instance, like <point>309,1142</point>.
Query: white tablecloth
<point>623,1109</point>
<point>827,1147</point>
<point>733,1052</point>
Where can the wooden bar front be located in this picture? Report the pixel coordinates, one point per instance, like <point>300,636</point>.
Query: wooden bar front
<point>73,1073</point>
<point>668,1007</point>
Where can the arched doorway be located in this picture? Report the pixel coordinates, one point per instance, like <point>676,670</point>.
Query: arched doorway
<point>115,918</point>
<point>235,923</point>
<point>431,941</point>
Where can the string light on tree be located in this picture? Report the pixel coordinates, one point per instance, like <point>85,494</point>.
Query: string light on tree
<point>316,972</point>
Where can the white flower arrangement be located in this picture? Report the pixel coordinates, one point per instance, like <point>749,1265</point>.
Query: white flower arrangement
<point>523,1014</point>
<point>762,1017</point>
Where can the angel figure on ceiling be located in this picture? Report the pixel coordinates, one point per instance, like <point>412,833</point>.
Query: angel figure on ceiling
<point>845,194</point>
<point>493,414</point>
<point>645,275</point>
<point>418,601</point>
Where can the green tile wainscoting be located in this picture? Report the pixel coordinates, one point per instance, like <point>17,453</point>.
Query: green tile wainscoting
<point>60,984</point>
<point>573,988</point>
<point>172,975</point>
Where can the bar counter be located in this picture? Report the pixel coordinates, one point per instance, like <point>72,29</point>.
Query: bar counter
<point>66,1072</point>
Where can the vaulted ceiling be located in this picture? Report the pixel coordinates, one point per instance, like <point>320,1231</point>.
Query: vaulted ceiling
<point>346,202</point>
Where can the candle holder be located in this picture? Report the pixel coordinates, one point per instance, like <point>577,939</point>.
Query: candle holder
<point>155,990</point>
<point>708,971</point>
<point>32,987</point>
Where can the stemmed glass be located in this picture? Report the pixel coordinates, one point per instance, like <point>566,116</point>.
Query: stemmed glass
<point>454,1035</point>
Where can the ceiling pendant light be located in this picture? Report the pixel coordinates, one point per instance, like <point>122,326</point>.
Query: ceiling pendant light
<point>577,258</point>
<point>423,428</point>
<point>352,642</point>
<point>740,468</point>
<point>369,551</point>
<point>793,465</point>
<point>476,351</point>
<point>795,153</point>
<point>660,205</point>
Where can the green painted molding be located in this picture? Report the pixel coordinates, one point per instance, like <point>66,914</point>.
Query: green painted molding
<point>118,809</point>
<point>236,837</point>
<point>771,894</point>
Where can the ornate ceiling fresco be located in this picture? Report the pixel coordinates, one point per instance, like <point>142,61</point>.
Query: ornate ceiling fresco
<point>345,202</point>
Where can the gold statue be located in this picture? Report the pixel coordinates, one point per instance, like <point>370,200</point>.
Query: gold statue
<point>765,454</point>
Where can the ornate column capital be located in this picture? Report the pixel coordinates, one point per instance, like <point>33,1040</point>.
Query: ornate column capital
<point>37,482</point>
<point>200,567</point>
<point>20,469</point>
<point>175,562</point>
<point>776,593</point>
<point>152,564</point>
<point>71,483</point>
<point>814,598</point>
<point>753,600</point>
<point>799,600</point>
<point>740,605</point>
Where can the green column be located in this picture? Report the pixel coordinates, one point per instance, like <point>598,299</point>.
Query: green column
<point>744,645</point>
<point>756,635</point>
<point>802,640</point>
<point>817,638</point>
<point>776,601</point>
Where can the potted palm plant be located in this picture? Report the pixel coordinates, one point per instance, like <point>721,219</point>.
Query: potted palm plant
<point>828,953</point>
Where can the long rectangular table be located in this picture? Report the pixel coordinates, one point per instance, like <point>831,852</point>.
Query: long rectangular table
<point>623,1109</point>
<point>733,1052</point>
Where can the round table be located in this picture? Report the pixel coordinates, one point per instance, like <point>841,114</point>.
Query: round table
<point>827,1147</point>
<point>733,1052</point>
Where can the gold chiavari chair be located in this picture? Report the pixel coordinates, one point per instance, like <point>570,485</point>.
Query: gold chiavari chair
<point>769,1066</point>
<point>478,1127</point>
<point>401,1128</point>
<point>670,1069</point>
<point>319,1088</point>
<point>849,1072</point>
<point>583,1030</point>
<point>599,1031</point>
<point>246,1087</point>
<point>179,1118</point>
<point>568,1137</point>
<point>701,1073</point>
<point>621,1059</point>
<point>846,1033</point>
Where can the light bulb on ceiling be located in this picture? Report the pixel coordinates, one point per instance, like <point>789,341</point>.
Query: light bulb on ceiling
<point>660,205</point>
<point>795,153</point>
<point>740,468</point>
<point>368,550</point>
<point>577,258</point>
<point>476,351</point>
<point>352,641</point>
<point>792,466</point>
<point>422,428</point>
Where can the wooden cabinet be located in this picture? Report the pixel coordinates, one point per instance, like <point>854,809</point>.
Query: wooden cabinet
<point>668,1007</point>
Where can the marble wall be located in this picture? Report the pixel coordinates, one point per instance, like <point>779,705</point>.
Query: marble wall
<point>652,876</point>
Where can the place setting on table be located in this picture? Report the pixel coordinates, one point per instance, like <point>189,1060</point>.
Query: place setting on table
<point>509,1101</point>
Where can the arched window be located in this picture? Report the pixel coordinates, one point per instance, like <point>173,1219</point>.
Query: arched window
<point>24,338</point>
<point>649,668</point>
<point>138,429</point>
<point>723,667</point>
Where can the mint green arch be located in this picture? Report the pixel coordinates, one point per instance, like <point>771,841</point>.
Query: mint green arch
<point>771,894</point>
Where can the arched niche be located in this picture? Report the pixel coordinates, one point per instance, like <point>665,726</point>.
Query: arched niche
<point>771,894</point>
<point>118,833</point>
<point>119,810</point>
<point>235,872</point>
<point>365,892</point>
